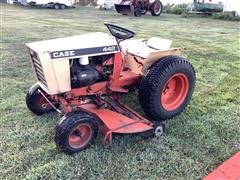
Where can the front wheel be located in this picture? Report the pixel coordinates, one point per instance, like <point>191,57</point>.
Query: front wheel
<point>37,103</point>
<point>75,132</point>
<point>137,12</point>
<point>167,88</point>
<point>143,11</point>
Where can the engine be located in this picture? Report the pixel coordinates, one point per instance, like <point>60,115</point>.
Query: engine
<point>86,71</point>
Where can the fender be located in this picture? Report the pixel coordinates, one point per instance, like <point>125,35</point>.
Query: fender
<point>156,56</point>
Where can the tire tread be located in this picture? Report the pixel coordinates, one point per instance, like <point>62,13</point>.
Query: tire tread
<point>66,123</point>
<point>156,75</point>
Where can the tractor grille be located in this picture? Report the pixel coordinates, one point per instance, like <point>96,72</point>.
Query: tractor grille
<point>38,68</point>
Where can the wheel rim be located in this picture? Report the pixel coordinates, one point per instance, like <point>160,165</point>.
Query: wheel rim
<point>157,8</point>
<point>42,102</point>
<point>174,92</point>
<point>80,136</point>
<point>159,131</point>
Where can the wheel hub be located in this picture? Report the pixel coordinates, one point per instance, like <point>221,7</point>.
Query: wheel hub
<point>80,136</point>
<point>159,131</point>
<point>174,92</point>
<point>157,8</point>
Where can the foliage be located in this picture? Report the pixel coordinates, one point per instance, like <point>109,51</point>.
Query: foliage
<point>226,16</point>
<point>175,9</point>
<point>221,16</point>
<point>183,9</point>
<point>196,141</point>
<point>86,2</point>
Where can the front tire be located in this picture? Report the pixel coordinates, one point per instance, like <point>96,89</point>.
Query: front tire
<point>167,88</point>
<point>137,12</point>
<point>37,103</point>
<point>75,132</point>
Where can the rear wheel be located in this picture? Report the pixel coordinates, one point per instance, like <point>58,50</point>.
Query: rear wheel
<point>167,88</point>
<point>63,6</point>
<point>37,103</point>
<point>75,132</point>
<point>156,8</point>
<point>56,6</point>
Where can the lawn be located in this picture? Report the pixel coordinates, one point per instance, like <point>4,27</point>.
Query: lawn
<point>203,136</point>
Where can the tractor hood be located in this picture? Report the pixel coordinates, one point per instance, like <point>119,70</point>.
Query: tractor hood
<point>76,46</point>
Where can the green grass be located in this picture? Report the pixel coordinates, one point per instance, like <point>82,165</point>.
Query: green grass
<point>196,141</point>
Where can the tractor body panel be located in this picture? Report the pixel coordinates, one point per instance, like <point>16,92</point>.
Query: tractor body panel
<point>142,48</point>
<point>76,46</point>
<point>125,9</point>
<point>140,54</point>
<point>50,59</point>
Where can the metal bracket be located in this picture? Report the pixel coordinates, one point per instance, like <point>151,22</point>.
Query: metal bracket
<point>60,112</point>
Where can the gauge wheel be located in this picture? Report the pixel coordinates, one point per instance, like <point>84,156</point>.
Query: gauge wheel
<point>37,103</point>
<point>167,88</point>
<point>75,132</point>
<point>158,130</point>
<point>156,8</point>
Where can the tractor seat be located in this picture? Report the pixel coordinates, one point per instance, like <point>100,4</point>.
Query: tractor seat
<point>159,43</point>
<point>143,48</point>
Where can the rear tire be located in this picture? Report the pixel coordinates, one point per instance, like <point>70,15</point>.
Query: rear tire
<point>75,132</point>
<point>37,103</point>
<point>63,6</point>
<point>167,88</point>
<point>156,8</point>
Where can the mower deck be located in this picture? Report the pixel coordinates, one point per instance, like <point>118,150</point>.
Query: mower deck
<point>122,120</point>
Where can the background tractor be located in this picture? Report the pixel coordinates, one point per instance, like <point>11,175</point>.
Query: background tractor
<point>139,7</point>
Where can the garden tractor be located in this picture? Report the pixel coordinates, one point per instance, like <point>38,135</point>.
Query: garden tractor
<point>139,7</point>
<point>83,78</point>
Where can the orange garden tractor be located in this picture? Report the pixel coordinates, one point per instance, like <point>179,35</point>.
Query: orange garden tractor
<point>83,78</point>
<point>139,7</point>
